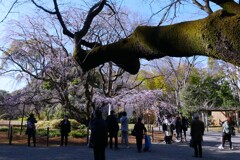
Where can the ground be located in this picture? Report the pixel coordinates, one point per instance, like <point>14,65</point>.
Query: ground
<point>162,151</point>
<point>42,141</point>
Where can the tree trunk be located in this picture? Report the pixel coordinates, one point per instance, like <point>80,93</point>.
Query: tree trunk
<point>216,36</point>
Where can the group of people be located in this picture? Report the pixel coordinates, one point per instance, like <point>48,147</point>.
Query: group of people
<point>65,128</point>
<point>102,129</point>
<point>197,131</point>
<point>178,123</point>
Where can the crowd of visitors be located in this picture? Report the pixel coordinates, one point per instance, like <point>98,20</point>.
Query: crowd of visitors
<point>106,132</point>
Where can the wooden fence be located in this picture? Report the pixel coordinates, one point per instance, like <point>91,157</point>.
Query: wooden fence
<point>12,137</point>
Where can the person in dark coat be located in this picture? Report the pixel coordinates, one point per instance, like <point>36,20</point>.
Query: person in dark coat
<point>140,130</point>
<point>179,128</point>
<point>184,127</point>
<point>65,129</point>
<point>197,132</point>
<point>113,128</point>
<point>31,129</point>
<point>99,136</point>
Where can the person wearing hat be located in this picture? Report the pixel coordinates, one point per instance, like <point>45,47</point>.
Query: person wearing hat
<point>197,131</point>
<point>65,129</point>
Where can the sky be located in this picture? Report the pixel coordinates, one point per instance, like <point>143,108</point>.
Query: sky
<point>143,10</point>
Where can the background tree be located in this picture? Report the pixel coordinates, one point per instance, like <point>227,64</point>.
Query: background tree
<point>203,91</point>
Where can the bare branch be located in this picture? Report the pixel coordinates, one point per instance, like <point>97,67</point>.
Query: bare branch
<point>59,16</point>
<point>93,12</point>
<point>205,7</point>
<point>42,8</point>
<point>9,11</point>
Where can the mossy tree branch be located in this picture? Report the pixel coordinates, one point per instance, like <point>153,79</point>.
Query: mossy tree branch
<point>216,36</point>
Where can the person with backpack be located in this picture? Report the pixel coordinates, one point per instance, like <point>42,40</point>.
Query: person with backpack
<point>65,129</point>
<point>31,129</point>
<point>113,128</point>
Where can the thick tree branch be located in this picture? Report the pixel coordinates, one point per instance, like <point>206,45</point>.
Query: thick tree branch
<point>229,5</point>
<point>93,12</point>
<point>216,36</point>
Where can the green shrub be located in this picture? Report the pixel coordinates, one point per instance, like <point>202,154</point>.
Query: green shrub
<point>42,132</point>
<point>55,123</point>
<point>24,118</point>
<point>82,126</point>
<point>52,133</point>
<point>43,124</point>
<point>132,120</point>
<point>78,133</point>
<point>74,124</point>
<point>4,129</point>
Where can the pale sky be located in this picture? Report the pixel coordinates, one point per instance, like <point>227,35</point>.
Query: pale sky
<point>143,9</point>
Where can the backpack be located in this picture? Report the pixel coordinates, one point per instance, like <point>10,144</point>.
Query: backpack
<point>29,125</point>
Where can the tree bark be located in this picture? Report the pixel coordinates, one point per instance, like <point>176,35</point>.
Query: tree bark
<point>216,36</point>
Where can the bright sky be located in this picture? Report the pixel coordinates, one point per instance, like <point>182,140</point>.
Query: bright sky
<point>143,9</point>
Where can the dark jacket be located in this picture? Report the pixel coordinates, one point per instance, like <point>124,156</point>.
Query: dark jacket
<point>178,124</point>
<point>197,130</point>
<point>112,124</point>
<point>99,134</point>
<point>184,124</point>
<point>65,127</point>
<point>31,128</point>
<point>139,129</point>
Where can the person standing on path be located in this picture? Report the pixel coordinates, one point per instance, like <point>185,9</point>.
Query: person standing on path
<point>113,128</point>
<point>197,132</point>
<point>124,128</point>
<point>140,130</point>
<point>65,129</point>
<point>228,128</point>
<point>99,136</point>
<point>179,128</point>
<point>31,129</point>
<point>184,127</point>
<point>167,129</point>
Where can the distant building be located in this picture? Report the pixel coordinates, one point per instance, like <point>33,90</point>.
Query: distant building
<point>219,115</point>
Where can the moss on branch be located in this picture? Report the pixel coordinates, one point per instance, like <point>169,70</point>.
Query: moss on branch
<point>215,36</point>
